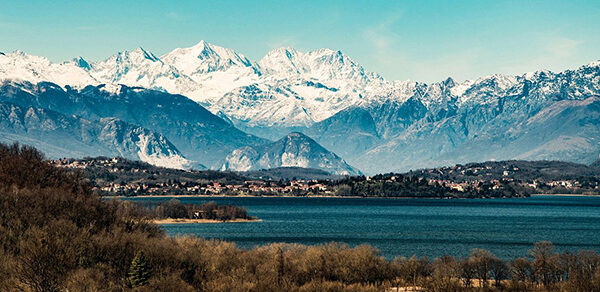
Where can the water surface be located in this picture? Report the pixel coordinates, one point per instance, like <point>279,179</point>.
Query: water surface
<point>405,227</point>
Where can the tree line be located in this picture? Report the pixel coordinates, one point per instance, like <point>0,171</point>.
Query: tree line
<point>175,209</point>
<point>57,235</point>
<point>408,185</point>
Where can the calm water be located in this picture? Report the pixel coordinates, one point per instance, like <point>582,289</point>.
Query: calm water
<point>430,227</point>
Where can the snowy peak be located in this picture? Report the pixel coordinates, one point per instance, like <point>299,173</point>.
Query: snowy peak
<point>19,65</point>
<point>209,71</point>
<point>321,64</point>
<point>205,58</point>
<point>329,64</point>
<point>497,81</point>
<point>334,65</point>
<point>449,82</point>
<point>207,51</point>
<point>147,55</point>
<point>122,62</point>
<point>285,62</point>
<point>139,68</point>
<point>136,56</point>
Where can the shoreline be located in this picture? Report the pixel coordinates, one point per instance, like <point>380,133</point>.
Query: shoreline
<point>335,197</point>
<point>201,221</point>
<point>329,197</point>
<point>232,196</point>
<point>566,195</point>
<point>246,196</point>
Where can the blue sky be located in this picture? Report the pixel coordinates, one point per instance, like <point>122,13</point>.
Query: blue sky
<point>417,40</point>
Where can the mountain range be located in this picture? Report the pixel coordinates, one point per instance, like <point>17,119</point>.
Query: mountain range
<point>220,109</point>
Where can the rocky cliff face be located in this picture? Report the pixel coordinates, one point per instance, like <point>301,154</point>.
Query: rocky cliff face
<point>197,133</point>
<point>69,136</point>
<point>293,150</point>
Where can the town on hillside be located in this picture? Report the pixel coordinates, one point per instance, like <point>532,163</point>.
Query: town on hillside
<point>122,177</point>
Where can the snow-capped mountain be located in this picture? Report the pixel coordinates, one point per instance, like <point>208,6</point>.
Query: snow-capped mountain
<point>138,68</point>
<point>323,64</point>
<point>540,115</point>
<point>286,88</point>
<point>215,70</point>
<point>293,150</point>
<point>69,136</point>
<point>319,93</point>
<point>299,89</point>
<point>201,72</point>
<point>19,65</point>
<point>207,58</point>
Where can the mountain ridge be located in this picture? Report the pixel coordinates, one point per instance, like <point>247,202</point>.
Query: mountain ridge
<point>200,135</point>
<point>416,124</point>
<point>80,137</point>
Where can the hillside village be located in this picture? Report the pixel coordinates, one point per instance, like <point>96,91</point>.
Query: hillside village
<point>142,179</point>
<point>122,177</point>
<point>552,177</point>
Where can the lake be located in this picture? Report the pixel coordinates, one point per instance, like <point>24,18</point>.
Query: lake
<point>405,227</point>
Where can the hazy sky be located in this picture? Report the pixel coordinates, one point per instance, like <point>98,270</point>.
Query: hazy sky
<point>417,40</point>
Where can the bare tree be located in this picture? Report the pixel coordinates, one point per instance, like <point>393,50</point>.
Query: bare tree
<point>521,273</point>
<point>498,271</point>
<point>545,262</point>
<point>482,263</point>
<point>445,274</point>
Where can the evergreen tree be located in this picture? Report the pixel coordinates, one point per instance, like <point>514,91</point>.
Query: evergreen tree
<point>139,272</point>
